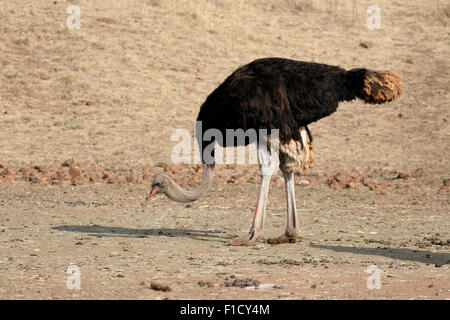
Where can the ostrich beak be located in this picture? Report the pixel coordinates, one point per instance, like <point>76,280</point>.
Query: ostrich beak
<point>154,190</point>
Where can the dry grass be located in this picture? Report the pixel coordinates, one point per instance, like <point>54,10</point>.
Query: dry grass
<point>150,64</point>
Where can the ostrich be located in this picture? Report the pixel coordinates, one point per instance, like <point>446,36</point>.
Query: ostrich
<point>283,94</point>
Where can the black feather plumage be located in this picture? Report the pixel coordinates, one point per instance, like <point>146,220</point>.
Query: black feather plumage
<point>277,93</point>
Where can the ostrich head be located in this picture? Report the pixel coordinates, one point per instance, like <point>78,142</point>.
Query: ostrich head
<point>163,183</point>
<point>160,184</point>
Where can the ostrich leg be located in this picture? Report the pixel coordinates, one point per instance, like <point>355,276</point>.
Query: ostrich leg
<point>267,162</point>
<point>290,235</point>
<point>256,231</point>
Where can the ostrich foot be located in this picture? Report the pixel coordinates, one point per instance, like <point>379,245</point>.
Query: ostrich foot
<point>248,240</point>
<point>284,238</point>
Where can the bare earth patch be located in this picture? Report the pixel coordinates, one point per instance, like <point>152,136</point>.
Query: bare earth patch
<point>86,118</point>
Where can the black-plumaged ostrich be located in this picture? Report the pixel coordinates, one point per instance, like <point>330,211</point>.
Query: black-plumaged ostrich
<point>283,94</point>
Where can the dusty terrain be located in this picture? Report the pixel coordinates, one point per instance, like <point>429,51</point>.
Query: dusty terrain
<point>86,118</point>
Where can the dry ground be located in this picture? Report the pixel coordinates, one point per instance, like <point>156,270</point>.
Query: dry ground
<point>113,92</point>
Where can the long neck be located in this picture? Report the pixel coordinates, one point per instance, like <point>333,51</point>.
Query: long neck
<point>177,193</point>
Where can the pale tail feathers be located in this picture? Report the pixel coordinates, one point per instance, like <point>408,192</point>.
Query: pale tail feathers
<point>374,87</point>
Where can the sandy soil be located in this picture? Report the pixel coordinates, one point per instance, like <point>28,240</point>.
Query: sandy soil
<point>111,94</point>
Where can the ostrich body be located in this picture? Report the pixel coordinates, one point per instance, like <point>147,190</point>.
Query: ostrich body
<point>282,94</point>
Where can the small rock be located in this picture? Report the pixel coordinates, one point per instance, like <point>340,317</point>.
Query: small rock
<point>74,172</point>
<point>366,44</point>
<point>334,184</point>
<point>68,163</point>
<point>353,185</point>
<point>107,20</point>
<point>109,176</point>
<point>444,188</point>
<point>243,283</point>
<point>208,284</point>
<point>375,185</point>
<point>121,178</point>
<point>160,287</point>
<point>4,165</point>
<point>366,181</point>
<point>77,181</point>
<point>44,76</point>
<point>403,175</point>
<point>94,167</point>
<point>343,178</point>
<point>9,178</point>
<point>41,169</point>
<point>92,176</point>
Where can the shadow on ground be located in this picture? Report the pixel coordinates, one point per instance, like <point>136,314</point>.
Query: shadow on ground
<point>103,231</point>
<point>425,256</point>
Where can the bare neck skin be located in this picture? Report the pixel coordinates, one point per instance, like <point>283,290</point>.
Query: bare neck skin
<point>177,193</point>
